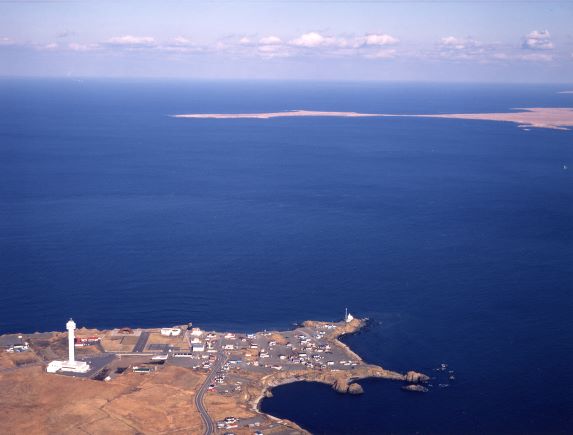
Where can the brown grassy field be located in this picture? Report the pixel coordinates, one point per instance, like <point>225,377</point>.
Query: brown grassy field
<point>34,402</point>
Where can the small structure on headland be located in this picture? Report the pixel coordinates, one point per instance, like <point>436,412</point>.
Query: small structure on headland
<point>348,317</point>
<point>71,365</point>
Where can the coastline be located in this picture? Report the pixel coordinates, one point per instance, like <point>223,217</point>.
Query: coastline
<point>556,118</point>
<point>266,392</point>
<point>347,347</point>
<point>338,383</point>
<point>240,371</point>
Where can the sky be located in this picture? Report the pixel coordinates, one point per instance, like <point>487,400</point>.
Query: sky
<point>393,40</point>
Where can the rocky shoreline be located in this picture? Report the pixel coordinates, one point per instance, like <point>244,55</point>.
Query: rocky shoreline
<point>343,382</point>
<point>240,370</point>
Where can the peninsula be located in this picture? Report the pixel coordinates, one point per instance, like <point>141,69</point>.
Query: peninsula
<point>559,118</point>
<point>174,379</point>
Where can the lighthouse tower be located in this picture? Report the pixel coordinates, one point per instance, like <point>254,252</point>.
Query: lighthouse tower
<point>71,365</point>
<point>71,327</point>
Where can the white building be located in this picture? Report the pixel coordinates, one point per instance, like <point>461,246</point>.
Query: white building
<point>196,332</point>
<point>19,346</point>
<point>170,332</point>
<point>71,365</point>
<point>198,347</point>
<point>348,317</point>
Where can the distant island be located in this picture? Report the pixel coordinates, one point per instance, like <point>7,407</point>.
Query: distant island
<point>558,118</point>
<point>174,379</point>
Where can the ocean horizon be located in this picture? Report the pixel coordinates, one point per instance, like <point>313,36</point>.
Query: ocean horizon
<point>454,237</point>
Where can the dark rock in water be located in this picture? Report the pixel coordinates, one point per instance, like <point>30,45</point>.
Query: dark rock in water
<point>340,386</point>
<point>415,377</point>
<point>415,388</point>
<point>355,389</point>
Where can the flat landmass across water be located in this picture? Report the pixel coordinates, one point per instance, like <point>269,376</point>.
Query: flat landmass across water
<point>558,118</point>
<point>194,381</point>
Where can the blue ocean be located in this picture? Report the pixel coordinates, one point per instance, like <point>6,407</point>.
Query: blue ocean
<point>454,237</point>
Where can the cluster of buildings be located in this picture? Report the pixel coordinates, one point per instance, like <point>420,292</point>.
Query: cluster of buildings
<point>233,423</point>
<point>18,346</point>
<point>195,348</point>
<point>87,341</point>
<point>228,423</point>
<point>197,344</point>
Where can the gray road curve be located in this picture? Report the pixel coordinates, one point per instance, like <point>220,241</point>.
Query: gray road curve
<point>208,423</point>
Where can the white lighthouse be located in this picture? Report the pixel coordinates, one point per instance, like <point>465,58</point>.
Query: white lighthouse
<point>348,317</point>
<point>71,327</point>
<point>71,365</point>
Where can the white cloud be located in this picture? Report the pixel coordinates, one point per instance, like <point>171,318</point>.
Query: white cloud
<point>379,39</point>
<point>366,45</point>
<point>270,40</point>
<point>30,45</point>
<point>183,45</point>
<point>180,40</point>
<point>312,39</point>
<point>468,49</point>
<point>371,45</point>
<point>175,45</point>
<point>178,44</point>
<point>538,40</point>
<point>454,48</point>
<point>130,40</point>
<point>273,51</point>
<point>315,43</point>
<point>380,46</point>
<point>452,42</point>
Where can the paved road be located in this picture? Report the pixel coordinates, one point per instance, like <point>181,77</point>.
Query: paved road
<point>208,423</point>
<point>140,345</point>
